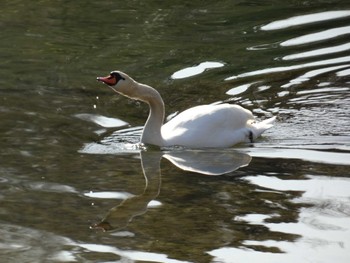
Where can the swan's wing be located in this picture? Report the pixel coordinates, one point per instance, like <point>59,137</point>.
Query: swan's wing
<point>208,126</point>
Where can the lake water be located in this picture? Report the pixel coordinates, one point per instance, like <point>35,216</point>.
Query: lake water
<point>75,185</point>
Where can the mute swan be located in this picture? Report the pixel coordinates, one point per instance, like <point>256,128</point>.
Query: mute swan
<point>221,125</point>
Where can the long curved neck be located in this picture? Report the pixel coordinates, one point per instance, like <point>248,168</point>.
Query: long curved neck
<point>152,130</point>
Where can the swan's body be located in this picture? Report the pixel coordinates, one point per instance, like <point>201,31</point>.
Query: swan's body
<point>222,125</point>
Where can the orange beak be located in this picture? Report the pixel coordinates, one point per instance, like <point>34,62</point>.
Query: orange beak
<point>109,80</point>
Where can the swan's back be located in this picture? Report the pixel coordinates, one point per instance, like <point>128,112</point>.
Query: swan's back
<point>209,126</point>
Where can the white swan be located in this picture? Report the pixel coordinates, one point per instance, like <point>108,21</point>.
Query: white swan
<point>221,125</point>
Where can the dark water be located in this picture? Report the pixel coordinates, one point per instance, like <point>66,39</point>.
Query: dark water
<point>69,158</point>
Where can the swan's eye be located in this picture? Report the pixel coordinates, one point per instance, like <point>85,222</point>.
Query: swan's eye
<point>117,76</point>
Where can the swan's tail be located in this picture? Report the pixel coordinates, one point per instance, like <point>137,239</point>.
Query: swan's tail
<point>259,127</point>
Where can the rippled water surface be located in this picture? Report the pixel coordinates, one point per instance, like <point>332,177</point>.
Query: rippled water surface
<point>75,186</point>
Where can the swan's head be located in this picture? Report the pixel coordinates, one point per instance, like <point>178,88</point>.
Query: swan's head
<point>123,84</point>
<point>119,82</point>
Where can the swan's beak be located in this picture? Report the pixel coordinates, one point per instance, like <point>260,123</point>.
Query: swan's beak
<point>109,80</point>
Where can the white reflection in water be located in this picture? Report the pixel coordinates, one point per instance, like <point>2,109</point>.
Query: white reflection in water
<point>50,187</point>
<point>315,187</point>
<point>195,70</point>
<point>305,19</point>
<point>240,89</point>
<point>253,218</point>
<point>322,90</point>
<point>209,162</point>
<point>343,73</point>
<point>323,227</point>
<point>130,255</point>
<point>303,154</point>
<point>21,244</point>
<point>318,52</point>
<point>263,46</point>
<point>315,37</point>
<point>103,121</point>
<point>313,73</point>
<point>108,195</point>
<point>119,142</point>
<point>289,68</point>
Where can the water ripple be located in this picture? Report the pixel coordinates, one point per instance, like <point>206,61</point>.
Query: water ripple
<point>343,73</point>
<point>313,73</point>
<point>131,255</point>
<point>195,70</point>
<point>305,19</point>
<point>316,37</point>
<point>331,61</point>
<point>103,121</point>
<point>318,52</point>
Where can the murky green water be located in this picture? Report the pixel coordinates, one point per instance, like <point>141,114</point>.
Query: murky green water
<point>69,161</point>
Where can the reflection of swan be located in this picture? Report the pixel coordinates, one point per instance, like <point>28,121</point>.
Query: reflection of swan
<point>205,162</point>
<point>210,162</point>
<point>203,126</point>
<point>119,216</point>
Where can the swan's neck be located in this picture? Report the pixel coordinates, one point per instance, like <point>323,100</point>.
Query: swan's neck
<point>152,130</point>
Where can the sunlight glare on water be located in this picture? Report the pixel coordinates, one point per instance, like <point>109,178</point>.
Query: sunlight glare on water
<point>294,67</point>
<point>319,52</point>
<point>315,37</point>
<point>305,19</point>
<point>324,214</point>
<point>195,70</point>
